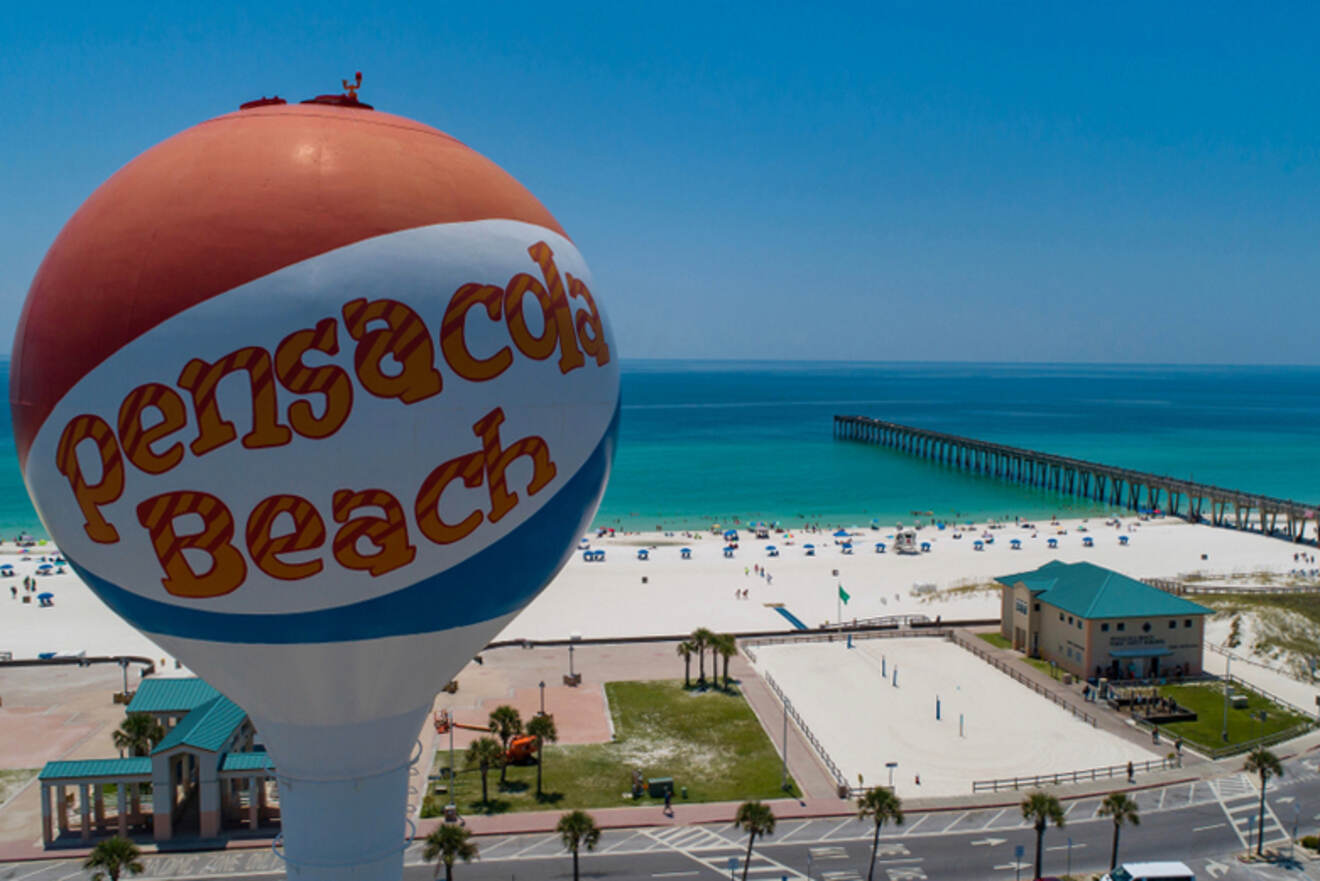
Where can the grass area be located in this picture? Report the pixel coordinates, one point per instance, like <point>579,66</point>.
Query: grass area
<point>709,742</point>
<point>996,639</point>
<point>13,780</point>
<point>1207,701</point>
<point>1040,664</point>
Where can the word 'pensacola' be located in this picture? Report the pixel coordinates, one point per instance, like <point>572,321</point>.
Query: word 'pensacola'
<point>382,328</point>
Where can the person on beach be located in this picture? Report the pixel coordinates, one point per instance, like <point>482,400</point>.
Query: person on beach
<point>1132,774</point>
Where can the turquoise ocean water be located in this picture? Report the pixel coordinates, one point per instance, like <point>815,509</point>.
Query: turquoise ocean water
<point>704,442</point>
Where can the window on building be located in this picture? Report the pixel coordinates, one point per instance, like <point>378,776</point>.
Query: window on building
<point>1037,607</point>
<point>1060,616</point>
<point>1104,628</point>
<point>1079,623</point>
<point>1187,623</point>
<point>1122,625</point>
<point>1070,619</point>
<point>1145,628</point>
<point>1172,624</point>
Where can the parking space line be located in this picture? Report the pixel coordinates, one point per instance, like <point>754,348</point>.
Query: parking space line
<point>923,818</point>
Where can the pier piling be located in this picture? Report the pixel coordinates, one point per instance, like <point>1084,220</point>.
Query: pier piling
<point>1107,484</point>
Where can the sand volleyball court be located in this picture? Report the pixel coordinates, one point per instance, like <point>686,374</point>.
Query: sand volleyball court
<point>863,720</point>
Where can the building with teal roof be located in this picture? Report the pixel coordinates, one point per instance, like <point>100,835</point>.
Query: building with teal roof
<point>205,777</point>
<point>1095,622</point>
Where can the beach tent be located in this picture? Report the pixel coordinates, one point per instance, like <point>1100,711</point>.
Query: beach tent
<point>772,550</point>
<point>1122,539</point>
<point>598,556</point>
<point>925,546</point>
<point>584,543</point>
<point>846,547</point>
<point>1087,542</point>
<point>1016,544</point>
<point>810,549</point>
<point>728,550</point>
<point>1052,542</point>
<point>588,556</point>
<point>978,545</point>
<point>46,599</point>
<point>731,535</point>
<point>879,547</point>
<point>643,554</point>
<point>686,553</point>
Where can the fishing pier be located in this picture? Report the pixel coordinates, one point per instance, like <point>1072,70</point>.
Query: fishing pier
<point>1120,487</point>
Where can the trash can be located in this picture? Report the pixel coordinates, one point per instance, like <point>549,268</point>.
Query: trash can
<point>659,787</point>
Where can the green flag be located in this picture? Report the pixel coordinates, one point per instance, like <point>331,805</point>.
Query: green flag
<point>843,595</point>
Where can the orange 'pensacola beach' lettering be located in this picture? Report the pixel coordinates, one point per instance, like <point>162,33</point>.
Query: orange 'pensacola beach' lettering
<point>327,380</point>
<point>227,571</point>
<point>454,345</point>
<point>265,548</point>
<point>543,470</point>
<point>106,490</point>
<point>404,337</point>
<point>471,469</point>
<point>202,379</point>
<point>389,534</point>
<point>136,440</point>
<point>394,358</point>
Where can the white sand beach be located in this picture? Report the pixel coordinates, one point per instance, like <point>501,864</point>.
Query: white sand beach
<point>609,598</point>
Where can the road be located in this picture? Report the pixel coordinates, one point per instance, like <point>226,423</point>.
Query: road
<point>1201,823</point>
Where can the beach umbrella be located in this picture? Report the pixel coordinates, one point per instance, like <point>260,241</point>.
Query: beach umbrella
<point>44,567</point>
<point>842,533</point>
<point>46,596</point>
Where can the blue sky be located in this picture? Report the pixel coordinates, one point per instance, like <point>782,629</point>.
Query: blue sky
<point>871,181</point>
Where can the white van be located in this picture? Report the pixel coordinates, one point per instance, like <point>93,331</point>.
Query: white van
<point>1161,871</point>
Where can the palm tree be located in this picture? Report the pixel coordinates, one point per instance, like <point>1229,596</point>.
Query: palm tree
<point>1265,763</point>
<point>685,650</point>
<point>1123,810</point>
<point>543,729</point>
<point>700,639</point>
<point>449,843</point>
<point>484,753</point>
<point>138,734</point>
<point>112,857</point>
<point>881,805</point>
<point>505,723</point>
<point>727,646</point>
<point>755,819</point>
<point>1041,808</point>
<point>577,828</point>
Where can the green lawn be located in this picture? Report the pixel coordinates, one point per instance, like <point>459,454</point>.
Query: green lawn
<point>1207,701</point>
<point>709,742</point>
<point>996,639</point>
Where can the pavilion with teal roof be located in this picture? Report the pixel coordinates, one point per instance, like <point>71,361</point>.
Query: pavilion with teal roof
<point>1094,622</point>
<point>207,773</point>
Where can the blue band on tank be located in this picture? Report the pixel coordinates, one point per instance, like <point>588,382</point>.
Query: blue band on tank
<point>495,581</point>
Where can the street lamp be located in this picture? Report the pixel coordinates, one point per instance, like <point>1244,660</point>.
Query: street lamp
<point>570,659</point>
<point>1228,672</point>
<point>542,697</point>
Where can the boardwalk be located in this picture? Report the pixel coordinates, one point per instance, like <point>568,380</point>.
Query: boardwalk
<point>1121,487</point>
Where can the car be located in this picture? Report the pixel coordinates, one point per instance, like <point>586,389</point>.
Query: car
<point>1153,871</point>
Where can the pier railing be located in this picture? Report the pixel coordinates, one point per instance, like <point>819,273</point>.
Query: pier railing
<point>1121,487</point>
<point>1083,776</point>
<point>1004,667</point>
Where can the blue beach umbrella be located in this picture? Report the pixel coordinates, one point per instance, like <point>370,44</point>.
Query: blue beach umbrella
<point>842,533</point>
